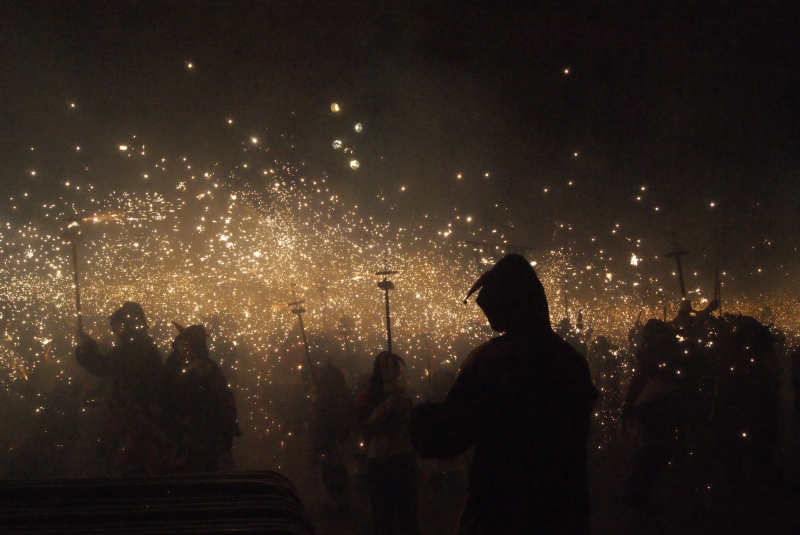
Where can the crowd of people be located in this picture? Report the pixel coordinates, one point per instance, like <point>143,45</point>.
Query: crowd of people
<point>164,417</point>
<point>521,412</point>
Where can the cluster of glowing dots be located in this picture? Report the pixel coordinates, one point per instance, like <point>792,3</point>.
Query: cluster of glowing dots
<point>209,250</point>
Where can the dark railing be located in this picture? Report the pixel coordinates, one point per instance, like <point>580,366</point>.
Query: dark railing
<point>233,502</point>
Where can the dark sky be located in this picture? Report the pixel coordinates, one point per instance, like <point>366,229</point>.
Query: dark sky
<point>697,102</point>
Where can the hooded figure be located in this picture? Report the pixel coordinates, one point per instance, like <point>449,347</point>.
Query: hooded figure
<point>523,400</point>
<point>197,407</point>
<point>134,366</point>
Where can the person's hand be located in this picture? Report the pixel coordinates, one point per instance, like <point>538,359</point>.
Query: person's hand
<point>83,337</point>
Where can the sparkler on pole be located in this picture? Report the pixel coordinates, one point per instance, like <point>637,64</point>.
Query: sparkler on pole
<point>677,254</point>
<point>322,288</point>
<point>72,234</point>
<point>718,286</point>
<point>298,311</point>
<point>387,285</point>
<point>346,328</point>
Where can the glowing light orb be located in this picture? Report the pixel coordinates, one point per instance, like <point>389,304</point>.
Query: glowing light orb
<point>337,144</point>
<point>335,108</point>
<point>123,147</point>
<point>354,164</point>
<point>358,127</point>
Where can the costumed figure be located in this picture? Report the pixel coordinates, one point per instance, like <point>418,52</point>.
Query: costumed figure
<point>654,402</point>
<point>332,425</point>
<point>134,365</point>
<point>524,401</point>
<point>383,409</point>
<point>198,412</point>
<point>745,422</point>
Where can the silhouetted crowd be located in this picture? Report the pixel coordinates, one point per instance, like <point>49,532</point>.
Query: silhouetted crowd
<point>521,412</point>
<point>178,416</point>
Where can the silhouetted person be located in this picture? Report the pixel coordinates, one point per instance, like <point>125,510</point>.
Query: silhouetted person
<point>134,366</point>
<point>197,407</point>
<point>384,409</point>
<point>524,401</point>
<point>745,424</point>
<point>332,424</point>
<point>654,402</point>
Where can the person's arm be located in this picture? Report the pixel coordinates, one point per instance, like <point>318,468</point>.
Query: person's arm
<point>90,357</point>
<point>395,403</point>
<point>448,429</point>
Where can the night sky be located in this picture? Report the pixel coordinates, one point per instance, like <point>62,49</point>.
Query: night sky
<point>571,108</point>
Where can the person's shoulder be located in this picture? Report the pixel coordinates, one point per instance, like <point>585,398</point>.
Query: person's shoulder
<point>573,365</point>
<point>564,348</point>
<point>208,366</point>
<point>563,352</point>
<point>364,398</point>
<point>481,354</point>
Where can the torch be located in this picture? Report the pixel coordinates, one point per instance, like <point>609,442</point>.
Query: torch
<point>72,234</point>
<point>387,285</point>
<point>297,310</point>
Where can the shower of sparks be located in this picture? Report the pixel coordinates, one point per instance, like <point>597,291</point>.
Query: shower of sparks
<point>208,246</point>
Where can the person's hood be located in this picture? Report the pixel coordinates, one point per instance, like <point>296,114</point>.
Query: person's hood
<point>195,335</point>
<point>511,281</point>
<point>131,315</point>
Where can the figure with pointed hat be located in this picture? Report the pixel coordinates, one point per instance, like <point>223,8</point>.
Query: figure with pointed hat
<point>523,401</point>
<point>197,408</point>
<point>134,365</point>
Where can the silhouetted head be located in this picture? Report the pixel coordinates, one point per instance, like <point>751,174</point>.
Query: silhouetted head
<point>659,344</point>
<point>129,320</point>
<point>512,297</point>
<point>387,372</point>
<point>329,382</point>
<point>191,341</point>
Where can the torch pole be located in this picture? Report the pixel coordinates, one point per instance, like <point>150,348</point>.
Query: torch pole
<point>387,285</point>
<point>298,310</point>
<point>388,322</point>
<point>77,284</point>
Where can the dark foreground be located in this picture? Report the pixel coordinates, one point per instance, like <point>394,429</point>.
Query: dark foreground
<point>684,501</point>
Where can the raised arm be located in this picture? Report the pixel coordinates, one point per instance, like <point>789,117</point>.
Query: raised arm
<point>448,429</point>
<point>90,357</point>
